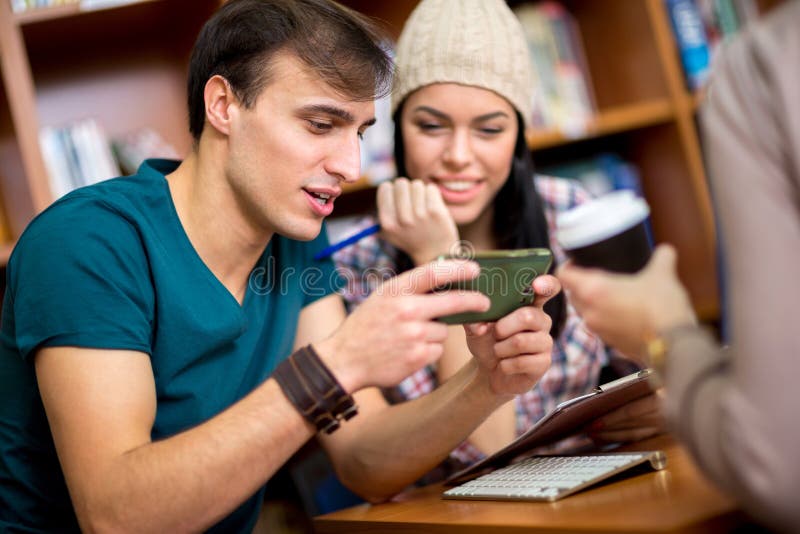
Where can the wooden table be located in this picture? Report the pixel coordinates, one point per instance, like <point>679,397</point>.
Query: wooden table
<point>676,499</point>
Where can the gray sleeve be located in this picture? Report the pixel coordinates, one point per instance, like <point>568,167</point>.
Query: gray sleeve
<point>737,409</point>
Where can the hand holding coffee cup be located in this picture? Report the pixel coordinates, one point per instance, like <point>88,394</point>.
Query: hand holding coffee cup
<point>608,232</point>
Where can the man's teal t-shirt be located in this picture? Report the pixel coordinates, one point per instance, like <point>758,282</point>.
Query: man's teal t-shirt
<point>109,266</point>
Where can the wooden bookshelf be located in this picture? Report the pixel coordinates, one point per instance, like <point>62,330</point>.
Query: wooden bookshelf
<point>646,114</point>
<point>610,121</point>
<point>125,66</point>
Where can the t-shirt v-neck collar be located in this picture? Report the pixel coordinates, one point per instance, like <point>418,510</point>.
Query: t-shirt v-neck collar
<point>157,169</point>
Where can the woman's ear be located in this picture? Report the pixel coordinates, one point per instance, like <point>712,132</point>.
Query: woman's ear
<point>219,101</point>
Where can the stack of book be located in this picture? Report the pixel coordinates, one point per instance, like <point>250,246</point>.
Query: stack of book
<point>19,6</point>
<point>23,5</point>
<point>562,94</point>
<point>132,148</point>
<point>77,154</point>
<point>724,18</point>
<point>700,26</point>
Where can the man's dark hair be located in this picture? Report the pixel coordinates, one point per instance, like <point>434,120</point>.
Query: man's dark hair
<point>238,42</point>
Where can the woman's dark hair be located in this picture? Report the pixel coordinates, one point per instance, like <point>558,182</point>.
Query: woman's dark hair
<point>519,220</point>
<point>240,39</point>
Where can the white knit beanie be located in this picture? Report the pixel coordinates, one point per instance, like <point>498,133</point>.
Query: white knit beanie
<point>470,42</point>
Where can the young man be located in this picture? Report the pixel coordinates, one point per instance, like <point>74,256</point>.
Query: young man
<point>144,383</point>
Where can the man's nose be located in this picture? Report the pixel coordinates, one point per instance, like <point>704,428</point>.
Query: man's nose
<point>345,160</point>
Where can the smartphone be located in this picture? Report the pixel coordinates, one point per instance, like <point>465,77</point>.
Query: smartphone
<point>505,277</point>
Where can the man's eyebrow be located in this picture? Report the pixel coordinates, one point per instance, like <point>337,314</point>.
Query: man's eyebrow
<point>337,112</point>
<point>441,115</point>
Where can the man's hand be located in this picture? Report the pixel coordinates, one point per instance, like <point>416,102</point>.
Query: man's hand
<point>415,219</point>
<point>394,333</point>
<point>627,310</point>
<point>515,351</point>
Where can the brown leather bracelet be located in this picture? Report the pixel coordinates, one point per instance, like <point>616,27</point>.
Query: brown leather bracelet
<point>302,396</point>
<point>327,389</point>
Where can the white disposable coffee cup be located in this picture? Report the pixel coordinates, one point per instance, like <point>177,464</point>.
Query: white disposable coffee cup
<point>607,232</point>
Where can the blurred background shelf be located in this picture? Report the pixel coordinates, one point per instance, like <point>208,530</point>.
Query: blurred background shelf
<point>125,68</point>
<point>610,121</point>
<point>39,14</point>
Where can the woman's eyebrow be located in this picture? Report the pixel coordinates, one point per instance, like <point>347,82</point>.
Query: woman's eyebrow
<point>491,115</point>
<point>441,115</point>
<point>432,111</point>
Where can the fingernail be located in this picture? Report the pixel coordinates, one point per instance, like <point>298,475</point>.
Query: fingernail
<point>547,291</point>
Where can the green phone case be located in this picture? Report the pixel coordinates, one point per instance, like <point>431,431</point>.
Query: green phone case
<point>505,277</point>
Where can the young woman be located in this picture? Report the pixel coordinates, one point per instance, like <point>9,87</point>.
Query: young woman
<point>462,95</point>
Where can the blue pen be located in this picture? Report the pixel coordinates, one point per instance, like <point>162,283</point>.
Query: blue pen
<point>336,247</point>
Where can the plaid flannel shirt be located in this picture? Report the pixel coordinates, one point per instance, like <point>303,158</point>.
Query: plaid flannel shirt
<point>577,356</point>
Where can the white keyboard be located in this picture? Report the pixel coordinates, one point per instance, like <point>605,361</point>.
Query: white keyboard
<point>549,478</point>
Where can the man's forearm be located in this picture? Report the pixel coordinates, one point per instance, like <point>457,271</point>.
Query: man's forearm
<point>380,459</point>
<point>499,429</point>
<point>192,480</point>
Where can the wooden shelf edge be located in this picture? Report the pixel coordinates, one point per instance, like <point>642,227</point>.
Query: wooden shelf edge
<point>5,253</point>
<point>609,121</point>
<point>698,97</point>
<point>707,310</point>
<point>360,185</point>
<point>34,15</point>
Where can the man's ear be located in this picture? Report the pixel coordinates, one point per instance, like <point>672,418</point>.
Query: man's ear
<point>220,103</point>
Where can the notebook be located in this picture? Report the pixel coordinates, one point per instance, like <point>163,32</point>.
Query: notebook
<point>566,419</point>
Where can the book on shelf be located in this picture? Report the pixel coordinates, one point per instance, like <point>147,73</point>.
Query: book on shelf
<point>88,5</point>
<point>19,6</point>
<point>562,94</point>
<point>76,155</point>
<point>25,5</point>
<point>80,153</point>
<point>691,40</point>
<point>701,26</point>
<point>132,148</point>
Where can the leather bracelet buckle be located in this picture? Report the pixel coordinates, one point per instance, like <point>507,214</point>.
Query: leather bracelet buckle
<point>296,389</point>
<point>335,400</point>
<point>314,391</point>
<point>346,408</point>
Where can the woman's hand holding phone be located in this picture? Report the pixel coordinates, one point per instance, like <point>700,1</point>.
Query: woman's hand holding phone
<point>506,277</point>
<point>515,351</point>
